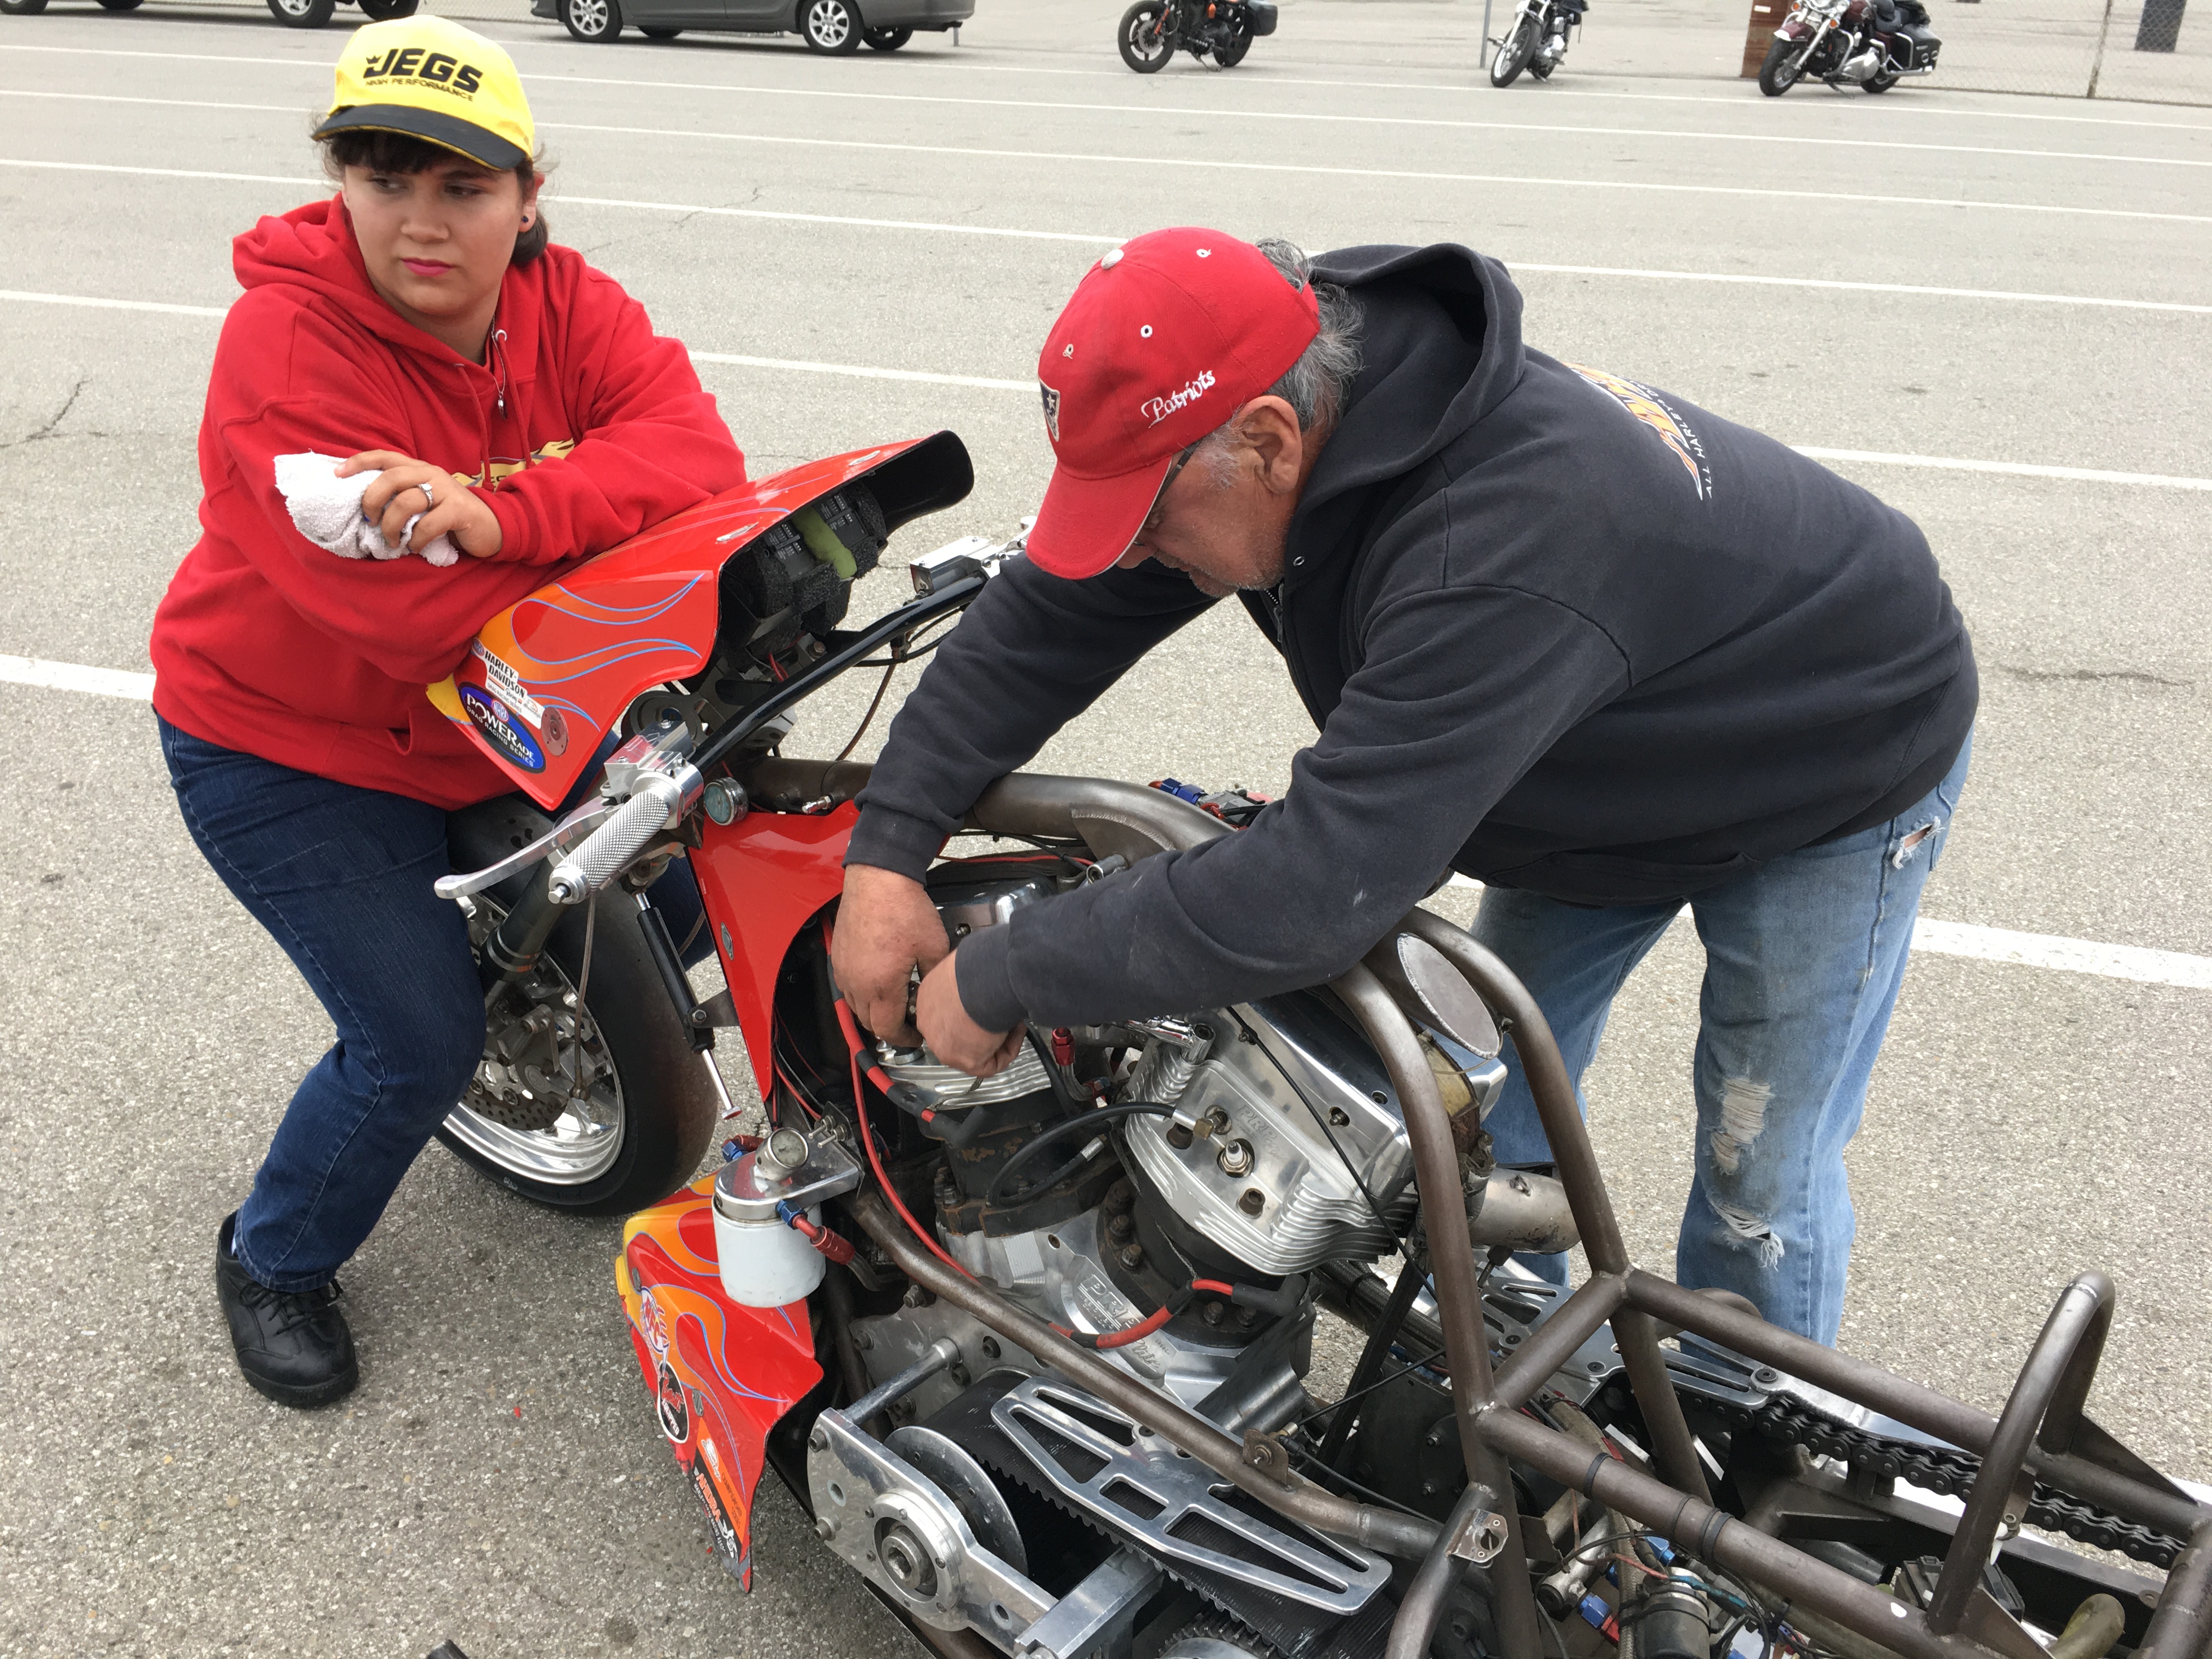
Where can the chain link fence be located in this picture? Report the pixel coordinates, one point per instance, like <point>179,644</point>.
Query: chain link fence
<point>2149,51</point>
<point>2144,50</point>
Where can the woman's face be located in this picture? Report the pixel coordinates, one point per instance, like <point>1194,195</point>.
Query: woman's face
<point>437,242</point>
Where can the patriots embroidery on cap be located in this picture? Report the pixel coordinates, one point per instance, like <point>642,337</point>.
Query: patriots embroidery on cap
<point>1051,410</point>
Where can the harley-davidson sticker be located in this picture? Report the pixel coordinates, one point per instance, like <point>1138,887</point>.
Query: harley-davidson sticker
<point>505,683</point>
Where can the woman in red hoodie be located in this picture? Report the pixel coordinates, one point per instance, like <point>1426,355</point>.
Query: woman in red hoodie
<point>509,397</point>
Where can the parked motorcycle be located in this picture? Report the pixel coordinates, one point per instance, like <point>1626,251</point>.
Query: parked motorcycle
<point>1151,30</point>
<point>1871,44</point>
<point>1536,39</point>
<point>1033,1353</point>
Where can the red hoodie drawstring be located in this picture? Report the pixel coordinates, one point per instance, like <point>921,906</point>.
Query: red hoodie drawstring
<point>499,373</point>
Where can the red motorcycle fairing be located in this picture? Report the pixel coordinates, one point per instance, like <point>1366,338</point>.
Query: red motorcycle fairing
<point>721,1375</point>
<point>763,878</point>
<point>546,677</point>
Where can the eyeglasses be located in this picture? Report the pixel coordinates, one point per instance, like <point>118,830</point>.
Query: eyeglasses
<point>1159,496</point>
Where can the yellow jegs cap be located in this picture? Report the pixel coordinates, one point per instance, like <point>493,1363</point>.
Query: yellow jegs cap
<point>432,79</point>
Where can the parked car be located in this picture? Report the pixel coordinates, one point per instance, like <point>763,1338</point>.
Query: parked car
<point>292,13</point>
<point>831,25</point>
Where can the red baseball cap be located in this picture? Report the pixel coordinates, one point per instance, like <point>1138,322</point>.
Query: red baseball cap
<point>1165,338</point>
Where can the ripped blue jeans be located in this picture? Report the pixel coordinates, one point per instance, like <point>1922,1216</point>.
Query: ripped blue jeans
<point>1804,958</point>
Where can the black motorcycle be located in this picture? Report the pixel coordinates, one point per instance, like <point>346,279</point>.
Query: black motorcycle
<point>1536,39</point>
<point>1151,30</point>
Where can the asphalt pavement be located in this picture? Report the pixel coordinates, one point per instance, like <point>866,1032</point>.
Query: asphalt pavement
<point>1935,276</point>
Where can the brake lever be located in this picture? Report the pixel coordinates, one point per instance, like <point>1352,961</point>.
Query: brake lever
<point>583,819</point>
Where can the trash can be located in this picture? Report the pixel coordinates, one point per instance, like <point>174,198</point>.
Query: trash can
<point>1766,16</point>
<point>2160,28</point>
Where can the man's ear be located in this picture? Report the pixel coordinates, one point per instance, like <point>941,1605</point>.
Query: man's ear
<point>1269,427</point>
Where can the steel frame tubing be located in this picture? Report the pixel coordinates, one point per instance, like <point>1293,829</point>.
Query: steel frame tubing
<point>2035,1434</point>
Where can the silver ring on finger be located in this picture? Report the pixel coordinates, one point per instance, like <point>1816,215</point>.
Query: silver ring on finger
<point>428,499</point>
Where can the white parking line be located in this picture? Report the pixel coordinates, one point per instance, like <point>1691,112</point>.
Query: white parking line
<point>1102,241</point>
<point>1220,111</point>
<point>560,197</point>
<point>1217,164</point>
<point>792,365</point>
<point>2054,951</point>
<point>74,677</point>
<point>1955,939</point>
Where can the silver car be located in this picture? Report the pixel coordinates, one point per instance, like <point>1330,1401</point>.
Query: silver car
<point>832,25</point>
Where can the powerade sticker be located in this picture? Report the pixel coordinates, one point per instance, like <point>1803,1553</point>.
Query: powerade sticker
<point>519,748</point>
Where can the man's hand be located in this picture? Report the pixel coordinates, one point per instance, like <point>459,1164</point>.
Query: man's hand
<point>887,927</point>
<point>407,486</point>
<point>953,1037</point>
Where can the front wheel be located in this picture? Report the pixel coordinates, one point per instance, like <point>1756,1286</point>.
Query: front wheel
<point>1781,69</point>
<point>887,40</point>
<point>598,1109</point>
<point>383,11</point>
<point>302,14</point>
<point>1513,57</point>
<point>22,7</point>
<point>1146,40</point>
<point>831,25</point>
<point>590,20</point>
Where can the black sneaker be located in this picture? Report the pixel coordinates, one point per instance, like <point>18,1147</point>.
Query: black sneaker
<point>292,1346</point>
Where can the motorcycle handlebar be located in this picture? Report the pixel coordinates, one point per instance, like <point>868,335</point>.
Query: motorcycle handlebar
<point>659,800</point>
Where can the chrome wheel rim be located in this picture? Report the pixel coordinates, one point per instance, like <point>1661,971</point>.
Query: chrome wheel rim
<point>295,7</point>
<point>830,21</point>
<point>589,15</point>
<point>584,1136</point>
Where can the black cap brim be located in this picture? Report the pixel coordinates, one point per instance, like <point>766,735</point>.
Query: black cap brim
<point>464,139</point>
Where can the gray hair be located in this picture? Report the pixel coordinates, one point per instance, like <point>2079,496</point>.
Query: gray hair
<point>1316,386</point>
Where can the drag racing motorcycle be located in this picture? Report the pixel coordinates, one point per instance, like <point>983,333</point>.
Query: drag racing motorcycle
<point>1034,1353</point>
<point>1151,30</point>
<point>1869,44</point>
<point>1536,39</point>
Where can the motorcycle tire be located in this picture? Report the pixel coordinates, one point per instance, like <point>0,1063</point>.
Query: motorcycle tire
<point>886,40</point>
<point>1143,36</point>
<point>665,1107</point>
<point>594,21</point>
<point>22,7</point>
<point>1228,57</point>
<point>1780,71</point>
<point>659,33</point>
<point>1880,83</point>
<point>121,5</point>
<point>302,14</point>
<point>1513,57</point>
<point>1541,70</point>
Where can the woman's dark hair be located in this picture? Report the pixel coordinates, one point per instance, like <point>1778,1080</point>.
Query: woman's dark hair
<point>397,152</point>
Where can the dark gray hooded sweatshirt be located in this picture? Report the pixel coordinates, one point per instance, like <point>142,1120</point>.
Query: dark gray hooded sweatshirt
<point>1559,630</point>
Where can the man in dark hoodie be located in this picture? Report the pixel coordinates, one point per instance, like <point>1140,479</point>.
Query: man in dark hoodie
<point>1564,633</point>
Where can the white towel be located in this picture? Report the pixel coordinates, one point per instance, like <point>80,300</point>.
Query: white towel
<point>327,510</point>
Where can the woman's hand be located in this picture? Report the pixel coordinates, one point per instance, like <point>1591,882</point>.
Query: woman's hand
<point>449,507</point>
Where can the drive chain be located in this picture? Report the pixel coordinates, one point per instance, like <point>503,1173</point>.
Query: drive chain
<point>1941,1469</point>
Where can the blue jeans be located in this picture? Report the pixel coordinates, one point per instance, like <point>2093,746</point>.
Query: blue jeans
<point>341,876</point>
<point>1804,958</point>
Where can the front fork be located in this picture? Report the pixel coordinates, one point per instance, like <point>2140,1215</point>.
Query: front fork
<point>1814,44</point>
